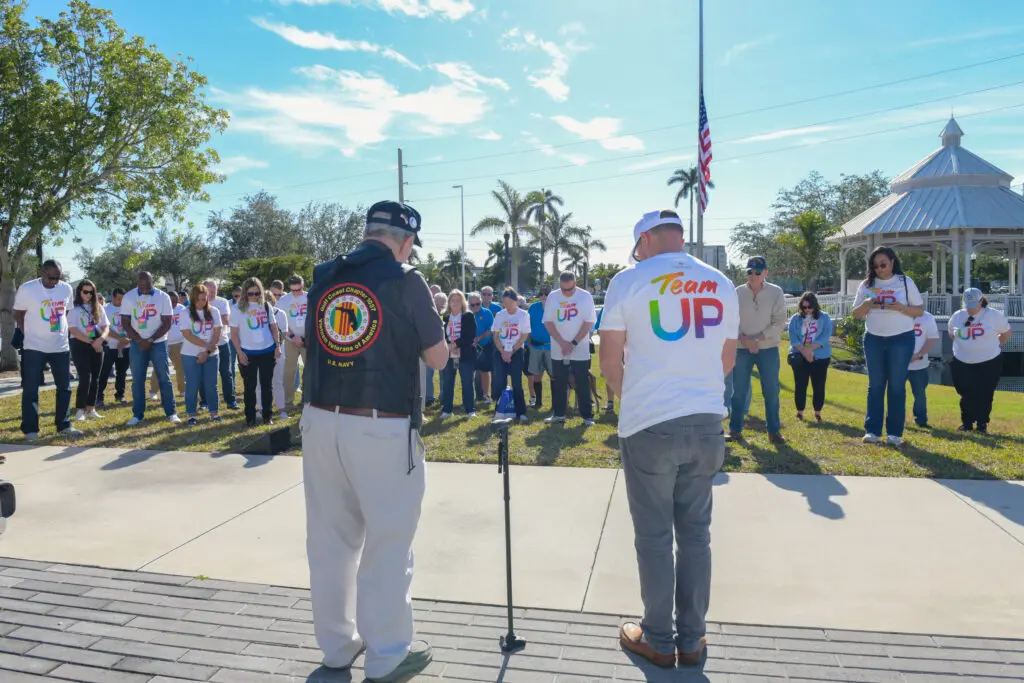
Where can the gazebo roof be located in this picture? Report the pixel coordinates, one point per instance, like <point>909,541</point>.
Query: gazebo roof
<point>950,188</point>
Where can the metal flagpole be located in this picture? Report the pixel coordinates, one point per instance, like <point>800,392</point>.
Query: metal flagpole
<point>700,89</point>
<point>401,178</point>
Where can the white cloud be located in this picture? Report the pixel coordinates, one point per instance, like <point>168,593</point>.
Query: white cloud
<point>787,133</point>
<point>551,79</point>
<point>447,9</point>
<point>229,165</point>
<point>314,40</point>
<point>655,163</point>
<point>346,110</point>
<point>965,37</point>
<point>572,28</point>
<point>738,49</point>
<point>551,151</point>
<point>489,135</point>
<point>602,130</point>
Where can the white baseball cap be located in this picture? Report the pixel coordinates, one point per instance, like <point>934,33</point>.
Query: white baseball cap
<point>651,220</point>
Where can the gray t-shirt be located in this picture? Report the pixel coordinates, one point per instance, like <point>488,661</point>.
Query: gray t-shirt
<point>420,303</point>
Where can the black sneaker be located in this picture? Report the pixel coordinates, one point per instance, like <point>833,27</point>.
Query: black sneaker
<point>192,422</point>
<point>233,406</point>
<point>217,419</point>
<point>250,423</point>
<point>965,428</point>
<point>982,428</point>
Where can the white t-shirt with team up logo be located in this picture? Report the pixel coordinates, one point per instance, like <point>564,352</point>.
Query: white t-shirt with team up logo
<point>925,328</point>
<point>569,313</point>
<point>46,319</point>
<point>202,326</point>
<point>82,319</point>
<point>979,341</point>
<point>225,307</point>
<point>281,318</point>
<point>295,307</point>
<point>510,327</point>
<point>253,327</point>
<point>888,322</point>
<point>677,313</point>
<point>116,331</point>
<point>177,320</point>
<point>147,311</point>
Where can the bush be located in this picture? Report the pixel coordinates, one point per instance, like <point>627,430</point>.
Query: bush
<point>270,269</point>
<point>851,331</point>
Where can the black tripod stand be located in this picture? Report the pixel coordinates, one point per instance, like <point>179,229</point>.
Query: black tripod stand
<point>509,642</point>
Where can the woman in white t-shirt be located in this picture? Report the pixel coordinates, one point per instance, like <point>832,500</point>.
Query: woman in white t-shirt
<point>88,326</point>
<point>511,328</point>
<point>256,338</point>
<point>201,330</point>
<point>888,302</point>
<point>978,333</point>
<point>460,331</point>
<point>278,384</point>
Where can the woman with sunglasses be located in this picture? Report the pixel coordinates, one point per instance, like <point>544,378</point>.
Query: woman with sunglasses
<point>978,333</point>
<point>460,331</point>
<point>888,302</point>
<point>255,337</point>
<point>88,324</point>
<point>201,329</point>
<point>810,353</point>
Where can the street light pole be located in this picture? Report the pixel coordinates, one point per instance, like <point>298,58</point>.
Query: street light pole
<point>462,204</point>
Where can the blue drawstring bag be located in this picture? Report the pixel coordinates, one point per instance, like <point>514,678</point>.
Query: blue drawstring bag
<point>506,409</point>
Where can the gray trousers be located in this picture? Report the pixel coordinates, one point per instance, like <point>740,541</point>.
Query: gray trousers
<point>668,469</point>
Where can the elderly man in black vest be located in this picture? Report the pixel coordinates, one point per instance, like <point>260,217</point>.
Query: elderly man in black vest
<point>370,321</point>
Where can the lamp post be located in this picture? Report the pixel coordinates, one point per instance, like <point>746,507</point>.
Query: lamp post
<point>462,204</point>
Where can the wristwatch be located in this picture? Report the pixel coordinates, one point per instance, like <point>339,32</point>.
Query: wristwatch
<point>575,343</point>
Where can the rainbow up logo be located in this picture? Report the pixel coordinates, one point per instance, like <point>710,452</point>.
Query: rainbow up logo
<point>567,311</point>
<point>971,332</point>
<point>693,309</point>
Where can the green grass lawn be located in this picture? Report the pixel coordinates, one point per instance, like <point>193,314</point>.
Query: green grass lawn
<point>832,447</point>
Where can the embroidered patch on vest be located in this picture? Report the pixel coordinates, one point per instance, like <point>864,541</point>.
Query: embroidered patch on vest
<point>347,319</point>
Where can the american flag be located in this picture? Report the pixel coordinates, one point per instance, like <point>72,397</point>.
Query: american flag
<point>704,144</point>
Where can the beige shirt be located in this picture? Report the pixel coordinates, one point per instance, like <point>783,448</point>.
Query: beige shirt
<point>764,313</point>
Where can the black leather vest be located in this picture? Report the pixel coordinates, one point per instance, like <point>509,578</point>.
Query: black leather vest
<point>362,347</point>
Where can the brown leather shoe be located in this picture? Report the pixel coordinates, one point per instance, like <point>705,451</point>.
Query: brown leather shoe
<point>631,637</point>
<point>777,439</point>
<point>692,658</point>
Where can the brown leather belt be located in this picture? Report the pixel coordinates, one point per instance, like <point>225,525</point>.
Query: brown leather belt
<point>359,412</point>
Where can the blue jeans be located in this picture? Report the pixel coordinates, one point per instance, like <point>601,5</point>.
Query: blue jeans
<point>226,362</point>
<point>768,364</point>
<point>511,372</point>
<point>919,385</point>
<point>140,360</point>
<point>430,384</point>
<point>448,389</point>
<point>200,375</point>
<point>729,392</point>
<point>32,363</point>
<point>888,361</point>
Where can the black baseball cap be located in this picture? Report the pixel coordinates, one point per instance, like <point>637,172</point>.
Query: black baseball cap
<point>396,215</point>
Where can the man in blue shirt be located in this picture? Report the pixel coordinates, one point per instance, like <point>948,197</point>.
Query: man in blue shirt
<point>540,346</point>
<point>487,303</point>
<point>485,346</point>
<point>487,297</point>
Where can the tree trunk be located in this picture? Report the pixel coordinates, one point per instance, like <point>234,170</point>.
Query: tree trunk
<point>8,354</point>
<point>543,252</point>
<point>554,264</point>
<point>691,217</point>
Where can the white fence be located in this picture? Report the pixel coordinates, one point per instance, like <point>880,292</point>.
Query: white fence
<point>939,305</point>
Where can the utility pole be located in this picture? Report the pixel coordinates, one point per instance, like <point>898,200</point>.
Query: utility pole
<point>401,178</point>
<point>462,204</point>
<point>700,142</point>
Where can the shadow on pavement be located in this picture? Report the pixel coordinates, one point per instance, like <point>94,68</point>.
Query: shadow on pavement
<point>550,441</point>
<point>1001,496</point>
<point>67,452</point>
<point>818,491</point>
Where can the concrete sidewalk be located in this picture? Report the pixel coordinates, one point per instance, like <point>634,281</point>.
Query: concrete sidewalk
<point>908,555</point>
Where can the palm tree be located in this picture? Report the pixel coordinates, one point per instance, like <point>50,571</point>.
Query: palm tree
<point>451,265</point>
<point>688,178</point>
<point>559,236</point>
<point>585,244</point>
<point>514,208</point>
<point>495,260</point>
<point>543,206</point>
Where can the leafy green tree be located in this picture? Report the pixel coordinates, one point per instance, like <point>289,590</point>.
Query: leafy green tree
<point>274,268</point>
<point>512,220</point>
<point>605,272</point>
<point>96,125</point>
<point>328,229</point>
<point>256,229</point>
<point>808,240</point>
<point>183,258</point>
<point>117,266</point>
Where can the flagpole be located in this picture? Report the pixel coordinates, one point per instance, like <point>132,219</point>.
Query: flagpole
<point>700,89</point>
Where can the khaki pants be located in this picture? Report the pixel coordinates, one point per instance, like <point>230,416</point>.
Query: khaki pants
<point>174,353</point>
<point>291,364</point>
<point>362,509</point>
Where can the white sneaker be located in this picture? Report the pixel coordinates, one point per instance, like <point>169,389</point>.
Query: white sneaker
<point>533,402</point>
<point>445,416</point>
<point>32,436</point>
<point>894,440</point>
<point>522,418</point>
<point>72,432</point>
<point>80,416</point>
<point>93,415</point>
<point>134,421</point>
<point>488,399</point>
<point>174,419</point>
<point>870,438</point>
<point>282,415</point>
<point>470,414</point>
<point>154,397</point>
<point>588,423</point>
<point>554,419</point>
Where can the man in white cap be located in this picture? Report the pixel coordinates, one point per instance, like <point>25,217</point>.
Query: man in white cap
<point>677,319</point>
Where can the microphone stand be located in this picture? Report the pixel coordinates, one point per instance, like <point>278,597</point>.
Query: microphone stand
<point>509,642</point>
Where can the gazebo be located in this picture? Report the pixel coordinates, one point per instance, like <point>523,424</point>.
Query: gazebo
<point>952,205</point>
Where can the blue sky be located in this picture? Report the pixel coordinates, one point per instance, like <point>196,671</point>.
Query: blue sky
<point>595,99</point>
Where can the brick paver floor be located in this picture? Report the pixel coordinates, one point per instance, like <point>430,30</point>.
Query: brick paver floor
<point>73,623</point>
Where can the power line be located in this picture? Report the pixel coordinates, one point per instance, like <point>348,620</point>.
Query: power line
<point>793,103</point>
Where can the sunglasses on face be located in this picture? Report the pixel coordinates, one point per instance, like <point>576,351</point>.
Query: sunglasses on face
<point>754,271</point>
<point>252,293</point>
<point>476,305</point>
<point>87,291</point>
<point>296,290</point>
<point>807,308</point>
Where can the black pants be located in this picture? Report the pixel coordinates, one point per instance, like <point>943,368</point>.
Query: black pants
<point>261,367</point>
<point>560,387</point>
<point>111,360</point>
<point>816,372</point>
<point>87,365</point>
<point>976,384</point>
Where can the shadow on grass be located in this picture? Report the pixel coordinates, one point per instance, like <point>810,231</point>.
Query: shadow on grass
<point>550,441</point>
